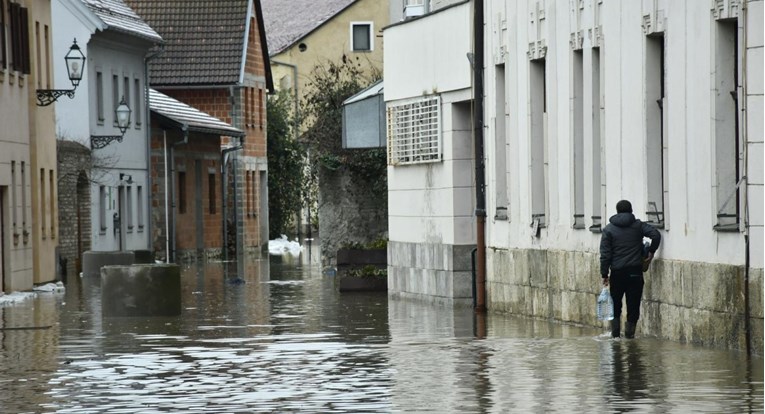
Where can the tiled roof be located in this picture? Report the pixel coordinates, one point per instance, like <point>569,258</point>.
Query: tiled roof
<point>118,16</point>
<point>188,116</point>
<point>288,21</point>
<point>204,40</point>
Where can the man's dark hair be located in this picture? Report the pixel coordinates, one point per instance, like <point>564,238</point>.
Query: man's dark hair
<point>624,206</point>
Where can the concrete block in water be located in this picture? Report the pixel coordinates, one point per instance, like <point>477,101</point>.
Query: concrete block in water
<point>141,290</point>
<point>92,261</point>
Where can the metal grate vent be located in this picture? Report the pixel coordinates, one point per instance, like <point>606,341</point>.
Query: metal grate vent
<point>414,131</point>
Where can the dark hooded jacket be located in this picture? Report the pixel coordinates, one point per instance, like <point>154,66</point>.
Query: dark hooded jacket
<point>621,244</point>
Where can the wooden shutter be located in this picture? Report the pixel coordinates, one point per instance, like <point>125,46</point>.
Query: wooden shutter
<point>3,60</point>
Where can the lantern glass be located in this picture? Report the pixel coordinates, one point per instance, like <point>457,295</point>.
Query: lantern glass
<point>75,64</point>
<point>123,115</point>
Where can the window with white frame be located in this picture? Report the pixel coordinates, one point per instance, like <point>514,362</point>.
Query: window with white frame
<point>414,131</point>
<point>361,36</point>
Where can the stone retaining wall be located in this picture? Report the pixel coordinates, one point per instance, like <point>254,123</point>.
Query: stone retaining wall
<point>434,272</point>
<point>683,301</point>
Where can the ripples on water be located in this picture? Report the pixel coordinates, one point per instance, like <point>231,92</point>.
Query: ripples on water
<point>285,341</point>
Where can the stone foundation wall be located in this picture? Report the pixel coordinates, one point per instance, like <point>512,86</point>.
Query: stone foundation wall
<point>440,273</point>
<point>694,302</point>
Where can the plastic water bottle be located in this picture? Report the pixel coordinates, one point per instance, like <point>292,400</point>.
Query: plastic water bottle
<point>605,306</point>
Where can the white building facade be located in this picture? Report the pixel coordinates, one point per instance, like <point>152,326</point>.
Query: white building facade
<point>115,42</point>
<point>589,102</point>
<point>431,228</point>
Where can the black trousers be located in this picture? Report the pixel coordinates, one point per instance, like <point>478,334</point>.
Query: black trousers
<point>627,282</point>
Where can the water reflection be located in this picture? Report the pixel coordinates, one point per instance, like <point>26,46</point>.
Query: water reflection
<point>282,339</point>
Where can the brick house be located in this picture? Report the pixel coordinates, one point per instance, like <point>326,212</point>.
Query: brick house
<point>215,59</point>
<point>188,192</point>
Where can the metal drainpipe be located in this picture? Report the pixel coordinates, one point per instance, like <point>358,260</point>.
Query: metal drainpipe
<point>745,138</point>
<point>478,135</point>
<point>185,140</point>
<point>223,162</point>
<point>147,123</point>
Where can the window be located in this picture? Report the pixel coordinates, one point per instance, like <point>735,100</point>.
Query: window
<point>597,144</point>
<point>115,96</point>
<point>538,144</point>
<point>727,168</point>
<point>52,202</point>
<point>182,192</point>
<point>139,207</point>
<point>23,200</point>
<point>42,202</point>
<point>129,208</point>
<point>102,208</point>
<point>656,151</point>
<point>100,97</point>
<point>577,113</point>
<point>260,108</point>
<point>19,25</point>
<point>14,200</point>
<point>3,52</point>
<point>38,49</point>
<point>47,57</point>
<point>414,131</point>
<point>361,36</point>
<point>500,145</point>
<point>126,91</point>
<point>138,111</point>
<point>211,193</point>
<point>247,187</point>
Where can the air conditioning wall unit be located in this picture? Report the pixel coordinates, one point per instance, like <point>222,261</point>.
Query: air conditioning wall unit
<point>413,10</point>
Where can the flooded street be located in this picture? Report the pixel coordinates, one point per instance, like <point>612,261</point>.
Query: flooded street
<point>286,341</point>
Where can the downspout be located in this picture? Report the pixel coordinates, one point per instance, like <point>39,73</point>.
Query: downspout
<point>224,189</point>
<point>745,141</point>
<point>478,135</point>
<point>167,193</point>
<point>171,235</point>
<point>147,118</point>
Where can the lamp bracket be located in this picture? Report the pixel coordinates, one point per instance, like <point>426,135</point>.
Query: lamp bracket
<point>100,141</point>
<point>46,97</point>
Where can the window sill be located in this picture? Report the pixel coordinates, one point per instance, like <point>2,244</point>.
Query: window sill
<point>727,228</point>
<point>596,229</point>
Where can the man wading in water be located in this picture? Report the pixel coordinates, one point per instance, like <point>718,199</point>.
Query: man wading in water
<point>621,252</point>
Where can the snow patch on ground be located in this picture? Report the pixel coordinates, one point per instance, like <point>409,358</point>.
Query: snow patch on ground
<point>50,287</point>
<point>283,245</point>
<point>14,298</point>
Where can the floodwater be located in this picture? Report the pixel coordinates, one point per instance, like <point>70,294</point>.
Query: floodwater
<point>286,341</point>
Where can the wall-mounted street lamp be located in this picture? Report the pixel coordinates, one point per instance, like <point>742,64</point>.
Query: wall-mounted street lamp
<point>75,67</point>
<point>122,113</point>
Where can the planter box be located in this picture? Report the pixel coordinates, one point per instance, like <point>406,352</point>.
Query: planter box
<point>351,259</point>
<point>362,284</point>
<point>362,257</point>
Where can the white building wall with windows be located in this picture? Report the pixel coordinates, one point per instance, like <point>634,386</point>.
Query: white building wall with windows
<point>430,198</point>
<point>606,138</point>
<point>120,207</point>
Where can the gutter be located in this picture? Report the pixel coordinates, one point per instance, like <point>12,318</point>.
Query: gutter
<point>223,160</point>
<point>297,96</point>
<point>478,137</point>
<point>171,235</point>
